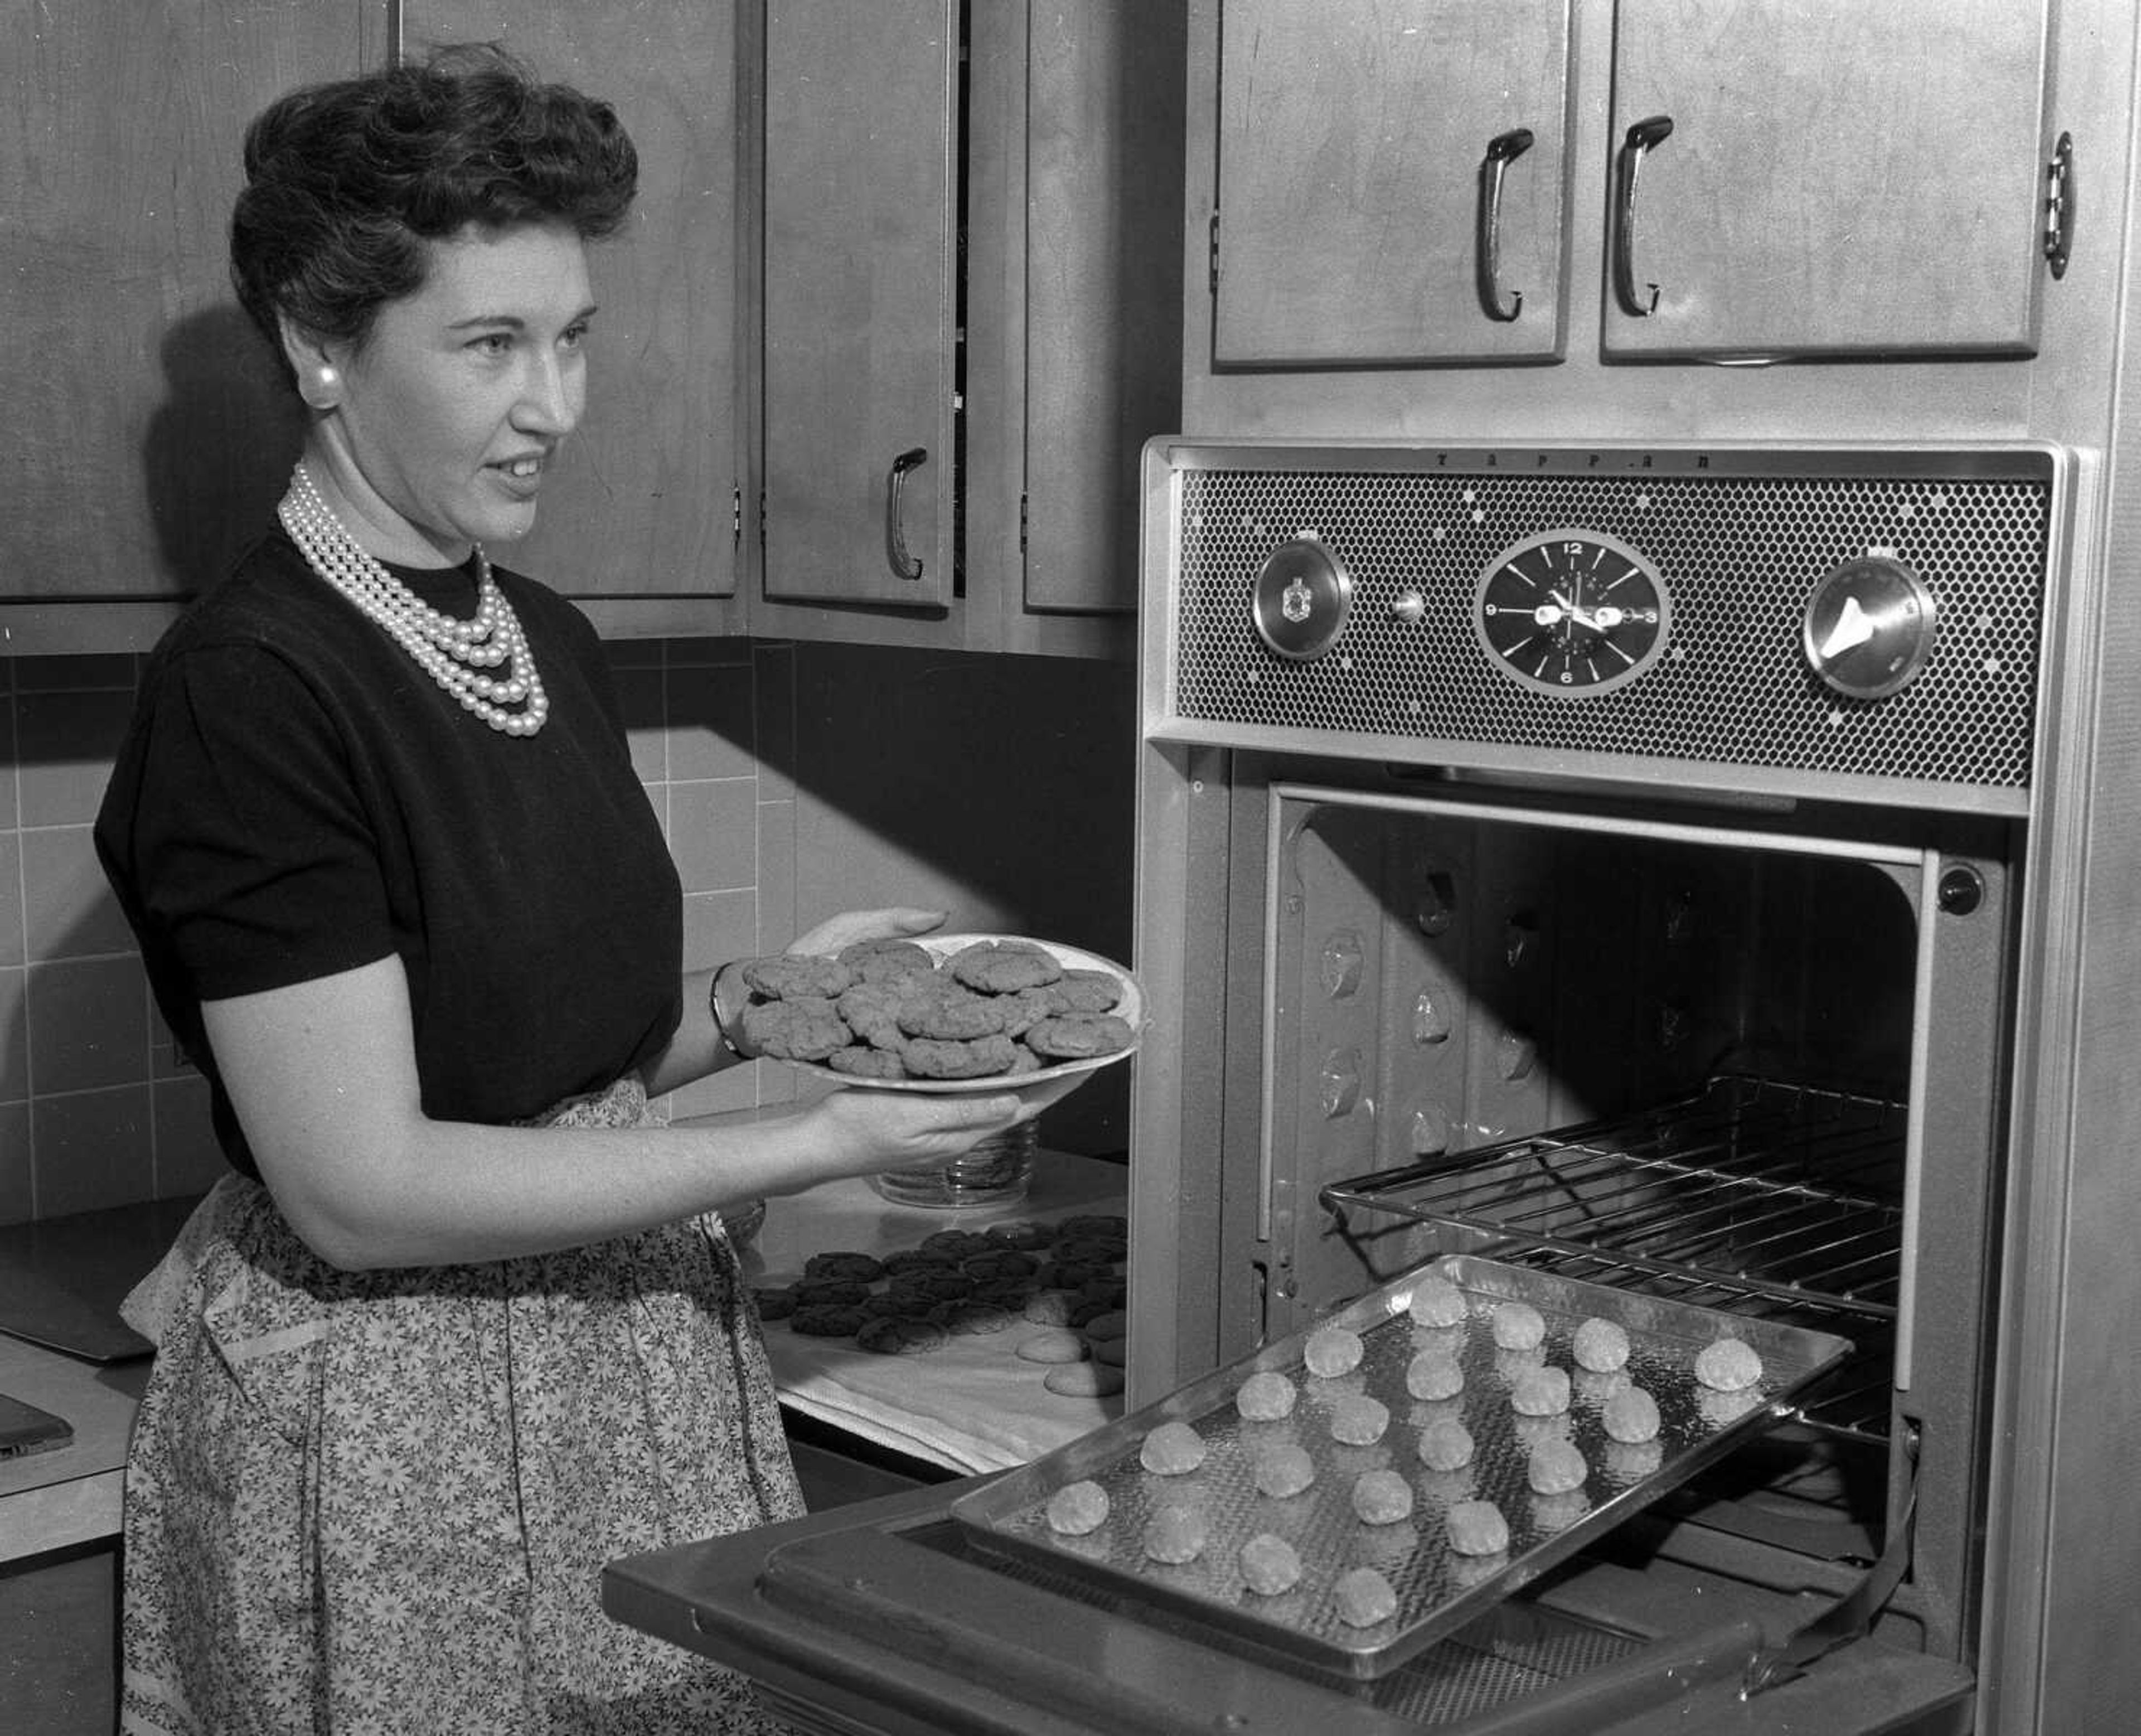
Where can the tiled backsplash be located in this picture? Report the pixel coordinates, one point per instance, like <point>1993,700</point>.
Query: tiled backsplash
<point>96,1107</point>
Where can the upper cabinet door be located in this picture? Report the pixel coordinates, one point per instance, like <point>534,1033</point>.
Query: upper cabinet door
<point>646,500</point>
<point>1826,177</point>
<point>860,313</point>
<point>1391,182</point>
<point>149,429</point>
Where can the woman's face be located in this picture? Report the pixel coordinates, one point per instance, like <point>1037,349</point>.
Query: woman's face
<point>450,415</point>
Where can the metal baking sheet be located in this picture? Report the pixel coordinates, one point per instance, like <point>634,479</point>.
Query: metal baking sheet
<point>1437,1591</point>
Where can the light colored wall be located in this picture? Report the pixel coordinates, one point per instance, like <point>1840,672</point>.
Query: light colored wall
<point>97,1109</point>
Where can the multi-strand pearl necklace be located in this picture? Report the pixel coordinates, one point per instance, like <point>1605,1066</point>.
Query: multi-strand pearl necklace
<point>454,653</point>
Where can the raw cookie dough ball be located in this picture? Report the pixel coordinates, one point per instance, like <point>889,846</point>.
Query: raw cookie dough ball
<point>1364,1598</point>
<point>1265,1397</point>
<point>1269,1565</point>
<point>1718,1408</point>
<point>1077,1507</point>
<point>1445,1445</point>
<point>1052,1344</point>
<point>1557,1467</point>
<point>1434,1375</point>
<point>1542,1393</point>
<point>1518,1326</point>
<point>1283,1472</point>
<point>1436,1302</point>
<point>1357,1420</point>
<point>1083,1379</point>
<point>1381,1498</point>
<point>1331,1351</point>
<point>1601,1345</point>
<point>1172,1450</point>
<point>1632,1461</point>
<point>1477,1527</point>
<point>1728,1366</point>
<point>1632,1414</point>
<point>1175,1534</point>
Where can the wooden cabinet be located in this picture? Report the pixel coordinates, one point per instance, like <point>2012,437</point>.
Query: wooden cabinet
<point>1782,179</point>
<point>861,316</point>
<point>145,425</point>
<point>972,315</point>
<point>1392,180</point>
<point>1824,177</point>
<point>643,520</point>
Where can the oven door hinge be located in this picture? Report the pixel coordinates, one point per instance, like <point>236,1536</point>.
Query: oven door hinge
<point>1851,1616</point>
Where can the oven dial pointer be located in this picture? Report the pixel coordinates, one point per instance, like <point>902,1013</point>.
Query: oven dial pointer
<point>1868,626</point>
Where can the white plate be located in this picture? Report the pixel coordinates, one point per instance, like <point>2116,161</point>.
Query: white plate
<point>1130,1010</point>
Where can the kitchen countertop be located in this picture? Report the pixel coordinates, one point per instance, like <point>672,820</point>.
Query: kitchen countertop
<point>971,1405</point>
<point>70,1495</point>
<point>67,1495</point>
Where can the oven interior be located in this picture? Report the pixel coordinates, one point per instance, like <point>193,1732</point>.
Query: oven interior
<point>1745,1059</point>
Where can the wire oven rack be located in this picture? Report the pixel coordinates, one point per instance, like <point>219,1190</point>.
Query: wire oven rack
<point>1765,1198</point>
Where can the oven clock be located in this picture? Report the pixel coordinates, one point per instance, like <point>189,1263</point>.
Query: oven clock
<point>1572,612</point>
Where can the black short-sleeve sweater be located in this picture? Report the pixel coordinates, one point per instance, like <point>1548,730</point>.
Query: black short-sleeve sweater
<point>295,797</point>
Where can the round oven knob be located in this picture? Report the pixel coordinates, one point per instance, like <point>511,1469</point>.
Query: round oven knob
<point>1869,627</point>
<point>1301,599</point>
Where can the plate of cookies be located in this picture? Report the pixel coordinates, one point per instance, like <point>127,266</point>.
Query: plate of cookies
<point>955,1012</point>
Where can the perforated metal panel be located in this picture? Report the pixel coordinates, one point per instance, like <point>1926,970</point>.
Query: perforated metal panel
<point>1740,541</point>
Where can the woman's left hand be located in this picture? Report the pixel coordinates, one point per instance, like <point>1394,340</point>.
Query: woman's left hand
<point>836,932</point>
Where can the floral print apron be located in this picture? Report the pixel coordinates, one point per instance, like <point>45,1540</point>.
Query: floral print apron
<point>363,1503</point>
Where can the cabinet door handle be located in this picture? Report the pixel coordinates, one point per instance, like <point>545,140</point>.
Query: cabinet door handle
<point>903,565</point>
<point>1503,150</point>
<point>1641,137</point>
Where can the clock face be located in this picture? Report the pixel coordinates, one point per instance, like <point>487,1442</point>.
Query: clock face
<point>1572,612</point>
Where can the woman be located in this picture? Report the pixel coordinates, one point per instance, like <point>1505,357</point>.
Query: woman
<point>459,1328</point>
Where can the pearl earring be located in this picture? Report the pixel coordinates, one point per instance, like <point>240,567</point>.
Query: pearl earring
<point>325,388</point>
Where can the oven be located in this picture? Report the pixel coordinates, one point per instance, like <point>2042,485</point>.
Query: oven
<point>1655,867</point>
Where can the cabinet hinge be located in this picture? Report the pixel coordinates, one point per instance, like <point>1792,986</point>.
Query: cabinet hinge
<point>1215,251</point>
<point>2059,206</point>
<point>736,516</point>
<point>1022,523</point>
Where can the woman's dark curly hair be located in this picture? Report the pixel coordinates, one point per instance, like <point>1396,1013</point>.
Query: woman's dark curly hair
<point>346,183</point>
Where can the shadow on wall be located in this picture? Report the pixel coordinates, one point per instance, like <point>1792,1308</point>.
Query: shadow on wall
<point>218,451</point>
<point>1002,788</point>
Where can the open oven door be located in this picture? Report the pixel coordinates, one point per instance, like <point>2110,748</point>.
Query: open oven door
<point>882,1617</point>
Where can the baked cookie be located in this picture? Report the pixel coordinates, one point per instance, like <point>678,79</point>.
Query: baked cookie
<point>860,1060</point>
<point>1076,1036</point>
<point>949,1058</point>
<point>887,961</point>
<point>971,1318</point>
<point>956,1244</point>
<point>787,975</point>
<point>899,1336</point>
<point>776,1302</point>
<point>1001,968</point>
<point>951,1014</point>
<point>838,1292</point>
<point>997,1263</point>
<point>871,1010</point>
<point>841,1263</point>
<point>828,1320</point>
<point>1027,1008</point>
<point>934,1283</point>
<point>805,1029</point>
<point>1083,991</point>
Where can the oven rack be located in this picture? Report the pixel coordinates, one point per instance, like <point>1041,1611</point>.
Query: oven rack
<point>1749,1194</point>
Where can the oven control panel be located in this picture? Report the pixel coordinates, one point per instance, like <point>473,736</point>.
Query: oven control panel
<point>1859,624</point>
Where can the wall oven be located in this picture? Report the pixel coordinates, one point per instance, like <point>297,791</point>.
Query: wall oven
<point>1631,865</point>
